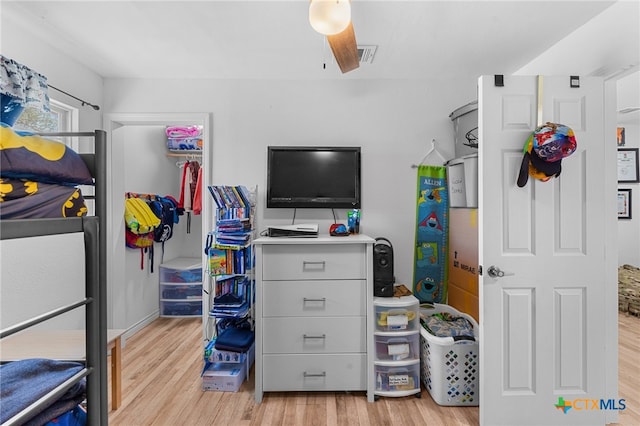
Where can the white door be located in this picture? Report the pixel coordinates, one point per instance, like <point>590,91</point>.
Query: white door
<point>543,322</point>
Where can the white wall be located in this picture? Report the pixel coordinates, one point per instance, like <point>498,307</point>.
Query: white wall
<point>393,122</point>
<point>34,278</point>
<point>148,170</point>
<point>61,71</point>
<point>628,96</point>
<point>629,230</point>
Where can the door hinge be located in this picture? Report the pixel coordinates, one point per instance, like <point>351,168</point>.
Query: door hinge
<point>574,81</point>
<point>479,269</point>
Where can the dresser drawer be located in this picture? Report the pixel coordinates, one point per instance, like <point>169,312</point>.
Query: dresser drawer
<point>313,262</point>
<point>314,335</point>
<point>313,298</point>
<point>340,372</point>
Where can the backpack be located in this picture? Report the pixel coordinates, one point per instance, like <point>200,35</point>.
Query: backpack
<point>167,211</point>
<point>138,216</point>
<point>140,224</point>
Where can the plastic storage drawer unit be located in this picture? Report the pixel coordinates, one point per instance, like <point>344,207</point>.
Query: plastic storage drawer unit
<point>395,319</point>
<point>396,341</point>
<point>172,291</point>
<point>397,347</point>
<point>397,378</point>
<point>450,367</point>
<point>181,287</point>
<point>175,308</point>
<point>182,270</point>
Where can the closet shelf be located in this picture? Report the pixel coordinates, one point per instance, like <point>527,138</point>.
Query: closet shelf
<point>184,153</point>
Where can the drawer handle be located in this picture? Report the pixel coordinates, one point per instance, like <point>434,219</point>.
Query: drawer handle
<point>323,374</point>
<point>312,263</point>
<point>307,299</point>
<point>307,336</point>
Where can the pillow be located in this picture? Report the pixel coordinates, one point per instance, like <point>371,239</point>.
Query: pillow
<point>28,156</point>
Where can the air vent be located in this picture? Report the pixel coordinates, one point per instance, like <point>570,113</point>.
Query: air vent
<point>366,54</point>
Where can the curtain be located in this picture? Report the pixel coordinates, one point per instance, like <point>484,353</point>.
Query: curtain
<point>21,87</point>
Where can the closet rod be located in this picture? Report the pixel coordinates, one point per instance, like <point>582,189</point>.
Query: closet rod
<point>96,107</point>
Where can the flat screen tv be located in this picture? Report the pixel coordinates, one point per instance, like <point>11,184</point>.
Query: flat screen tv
<point>313,177</point>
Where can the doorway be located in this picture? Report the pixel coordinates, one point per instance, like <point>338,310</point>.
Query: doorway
<point>132,301</point>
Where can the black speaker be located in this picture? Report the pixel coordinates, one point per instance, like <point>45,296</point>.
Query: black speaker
<point>383,268</point>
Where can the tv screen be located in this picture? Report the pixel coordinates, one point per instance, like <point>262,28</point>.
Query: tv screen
<point>313,177</point>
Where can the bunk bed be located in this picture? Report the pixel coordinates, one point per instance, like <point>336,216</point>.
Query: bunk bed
<point>94,366</point>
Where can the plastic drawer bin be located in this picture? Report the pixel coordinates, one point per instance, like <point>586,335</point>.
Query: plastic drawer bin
<point>397,378</point>
<point>450,368</point>
<point>181,270</point>
<point>395,319</point>
<point>173,291</point>
<point>181,308</point>
<point>397,348</point>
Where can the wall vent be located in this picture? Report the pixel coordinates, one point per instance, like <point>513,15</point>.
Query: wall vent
<point>366,54</point>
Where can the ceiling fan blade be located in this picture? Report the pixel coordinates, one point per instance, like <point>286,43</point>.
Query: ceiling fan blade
<point>345,49</point>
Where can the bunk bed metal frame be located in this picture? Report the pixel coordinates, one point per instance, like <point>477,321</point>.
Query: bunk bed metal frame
<point>95,247</point>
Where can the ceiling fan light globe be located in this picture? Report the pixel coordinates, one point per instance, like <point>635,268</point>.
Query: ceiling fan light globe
<point>329,17</point>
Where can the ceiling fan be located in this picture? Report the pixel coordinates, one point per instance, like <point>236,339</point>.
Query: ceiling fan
<point>333,19</point>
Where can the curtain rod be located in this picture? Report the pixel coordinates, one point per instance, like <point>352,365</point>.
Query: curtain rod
<point>96,107</point>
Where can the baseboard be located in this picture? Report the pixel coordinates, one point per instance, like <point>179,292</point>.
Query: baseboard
<point>139,326</point>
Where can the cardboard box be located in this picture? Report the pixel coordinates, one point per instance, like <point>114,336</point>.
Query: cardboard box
<point>223,377</point>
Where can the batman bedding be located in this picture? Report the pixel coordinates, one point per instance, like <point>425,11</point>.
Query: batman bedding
<point>39,177</point>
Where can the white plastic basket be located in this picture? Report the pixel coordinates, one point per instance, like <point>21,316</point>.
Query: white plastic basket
<point>449,368</point>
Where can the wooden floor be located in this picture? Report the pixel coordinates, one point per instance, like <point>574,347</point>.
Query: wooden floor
<point>161,385</point>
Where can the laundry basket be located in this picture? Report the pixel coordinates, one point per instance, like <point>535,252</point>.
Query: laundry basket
<point>449,368</point>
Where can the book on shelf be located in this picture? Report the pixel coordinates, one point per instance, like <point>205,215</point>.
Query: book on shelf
<point>225,259</point>
<point>217,261</point>
<point>216,197</point>
<point>232,290</point>
<point>230,312</point>
<point>228,198</point>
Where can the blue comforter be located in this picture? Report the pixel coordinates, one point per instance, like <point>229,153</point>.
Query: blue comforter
<point>24,382</point>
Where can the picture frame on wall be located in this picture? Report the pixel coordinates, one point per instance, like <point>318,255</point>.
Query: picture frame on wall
<point>628,165</point>
<point>624,203</point>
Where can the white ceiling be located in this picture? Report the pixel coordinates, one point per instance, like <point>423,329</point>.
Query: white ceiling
<point>273,40</point>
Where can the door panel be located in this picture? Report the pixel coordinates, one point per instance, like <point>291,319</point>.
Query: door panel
<point>569,307</point>
<point>519,341</point>
<point>542,323</point>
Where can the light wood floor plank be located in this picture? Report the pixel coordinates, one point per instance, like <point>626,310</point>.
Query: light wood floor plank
<point>161,385</point>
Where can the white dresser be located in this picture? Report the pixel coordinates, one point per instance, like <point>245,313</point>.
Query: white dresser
<point>313,298</point>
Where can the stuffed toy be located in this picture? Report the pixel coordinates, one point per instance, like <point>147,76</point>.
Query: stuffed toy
<point>544,151</point>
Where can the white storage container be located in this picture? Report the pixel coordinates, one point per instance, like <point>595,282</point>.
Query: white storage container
<point>180,291</point>
<point>180,308</point>
<point>450,368</point>
<point>465,126</point>
<point>397,378</point>
<point>471,179</point>
<point>181,270</point>
<point>181,287</point>
<point>223,377</point>
<point>391,318</point>
<point>462,181</point>
<point>456,183</point>
<point>397,347</point>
